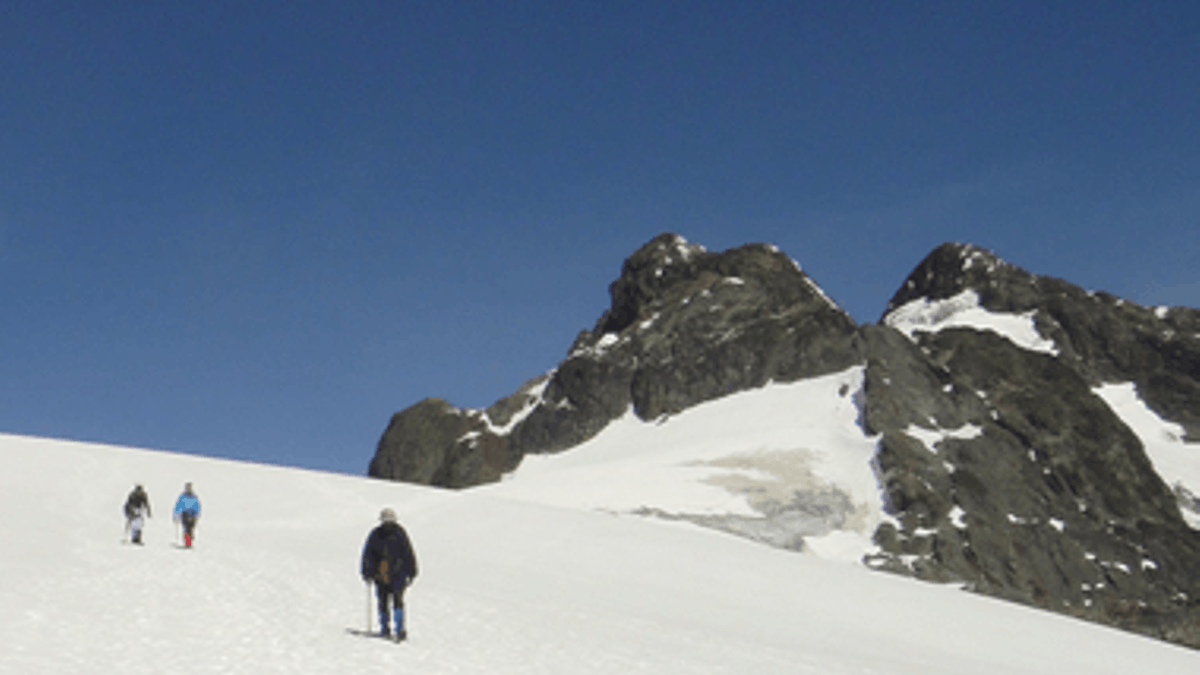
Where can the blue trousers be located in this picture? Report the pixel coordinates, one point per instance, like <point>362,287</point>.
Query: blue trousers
<point>393,595</point>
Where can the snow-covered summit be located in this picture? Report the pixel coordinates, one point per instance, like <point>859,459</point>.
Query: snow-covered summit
<point>953,268</point>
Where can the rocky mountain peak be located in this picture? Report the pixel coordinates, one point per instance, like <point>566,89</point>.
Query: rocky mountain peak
<point>953,268</point>
<point>665,262</point>
<point>685,325</point>
<point>669,270</point>
<point>1102,338</point>
<point>1005,465</point>
<point>1002,465</point>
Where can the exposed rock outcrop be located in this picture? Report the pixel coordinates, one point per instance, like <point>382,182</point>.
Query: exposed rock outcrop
<point>685,326</point>
<point>1005,469</point>
<point>1101,337</point>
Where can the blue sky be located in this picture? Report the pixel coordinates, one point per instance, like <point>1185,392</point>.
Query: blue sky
<point>256,230</point>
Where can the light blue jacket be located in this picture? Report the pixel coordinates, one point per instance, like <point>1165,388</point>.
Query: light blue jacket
<point>188,503</point>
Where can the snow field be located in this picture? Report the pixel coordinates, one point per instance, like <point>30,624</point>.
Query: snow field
<point>739,455</point>
<point>507,586</point>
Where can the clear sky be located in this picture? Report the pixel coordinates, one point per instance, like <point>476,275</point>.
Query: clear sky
<point>256,230</point>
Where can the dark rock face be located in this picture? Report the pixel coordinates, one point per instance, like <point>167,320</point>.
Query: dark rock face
<point>694,326</point>
<point>1101,337</point>
<point>1004,470</point>
<point>427,446</point>
<point>685,326</point>
<point>1008,474</point>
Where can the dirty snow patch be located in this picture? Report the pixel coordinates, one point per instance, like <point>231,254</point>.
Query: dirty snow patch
<point>733,457</point>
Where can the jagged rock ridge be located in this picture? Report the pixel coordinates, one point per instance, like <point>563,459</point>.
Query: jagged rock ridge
<point>1049,499</point>
<point>1002,467</point>
<point>685,326</point>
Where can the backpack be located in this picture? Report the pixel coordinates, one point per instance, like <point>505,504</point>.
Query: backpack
<point>384,574</point>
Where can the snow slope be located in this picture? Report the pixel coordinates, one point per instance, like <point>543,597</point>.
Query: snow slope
<point>508,585</point>
<point>741,458</point>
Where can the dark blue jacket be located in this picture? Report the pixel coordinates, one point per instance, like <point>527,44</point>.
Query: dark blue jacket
<point>389,543</point>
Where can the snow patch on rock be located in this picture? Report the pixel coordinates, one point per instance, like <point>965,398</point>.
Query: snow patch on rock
<point>1176,461</point>
<point>964,311</point>
<point>931,437</point>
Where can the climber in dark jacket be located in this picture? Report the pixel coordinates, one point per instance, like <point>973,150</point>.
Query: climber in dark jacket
<point>137,509</point>
<point>388,560</point>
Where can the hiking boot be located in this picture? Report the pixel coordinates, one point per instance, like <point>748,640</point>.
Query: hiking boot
<point>401,636</point>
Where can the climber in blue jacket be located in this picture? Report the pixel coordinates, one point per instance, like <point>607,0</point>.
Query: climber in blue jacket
<point>187,511</point>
